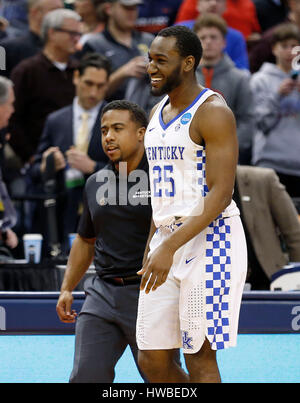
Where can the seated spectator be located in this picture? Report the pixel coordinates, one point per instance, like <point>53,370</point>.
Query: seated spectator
<point>262,51</point>
<point>44,83</point>
<point>217,71</point>
<point>270,12</point>
<point>29,43</point>
<point>239,14</point>
<point>276,91</point>
<point>8,217</point>
<point>235,47</point>
<point>123,45</point>
<point>73,135</point>
<point>155,15</point>
<point>270,221</point>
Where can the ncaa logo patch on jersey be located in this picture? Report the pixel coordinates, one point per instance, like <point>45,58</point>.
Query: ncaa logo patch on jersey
<point>186,118</point>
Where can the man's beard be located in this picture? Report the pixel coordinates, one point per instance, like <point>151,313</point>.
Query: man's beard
<point>173,81</point>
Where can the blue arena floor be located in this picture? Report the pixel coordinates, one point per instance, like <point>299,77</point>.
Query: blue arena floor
<point>258,358</point>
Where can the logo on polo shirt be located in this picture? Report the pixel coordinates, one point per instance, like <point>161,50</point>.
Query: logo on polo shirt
<point>142,194</point>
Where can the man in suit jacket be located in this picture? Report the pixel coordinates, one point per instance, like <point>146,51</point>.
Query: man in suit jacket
<point>270,221</point>
<point>75,160</point>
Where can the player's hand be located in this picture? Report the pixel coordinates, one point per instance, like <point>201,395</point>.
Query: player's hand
<point>63,307</point>
<point>156,268</point>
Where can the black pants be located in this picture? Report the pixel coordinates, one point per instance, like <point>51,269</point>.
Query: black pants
<point>105,327</point>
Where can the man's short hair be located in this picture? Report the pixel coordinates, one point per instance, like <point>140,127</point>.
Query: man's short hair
<point>138,115</point>
<point>284,32</point>
<point>5,85</point>
<point>187,42</point>
<point>55,19</point>
<point>210,20</point>
<point>94,60</point>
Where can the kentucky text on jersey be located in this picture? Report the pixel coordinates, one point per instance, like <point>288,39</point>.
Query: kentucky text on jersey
<point>165,153</point>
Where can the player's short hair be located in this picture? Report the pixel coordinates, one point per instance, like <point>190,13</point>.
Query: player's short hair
<point>138,114</point>
<point>284,32</point>
<point>210,20</point>
<point>187,42</point>
<point>94,60</point>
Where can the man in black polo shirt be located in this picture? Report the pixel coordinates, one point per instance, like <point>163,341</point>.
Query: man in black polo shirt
<point>113,231</point>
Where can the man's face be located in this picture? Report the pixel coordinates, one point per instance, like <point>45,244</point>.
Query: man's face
<point>66,37</point>
<point>91,86</point>
<point>84,8</point>
<point>121,136</point>
<point>124,17</point>
<point>294,6</point>
<point>7,109</point>
<point>211,6</point>
<point>165,66</point>
<point>212,41</point>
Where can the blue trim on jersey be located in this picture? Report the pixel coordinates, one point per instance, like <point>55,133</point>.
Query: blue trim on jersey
<point>165,126</point>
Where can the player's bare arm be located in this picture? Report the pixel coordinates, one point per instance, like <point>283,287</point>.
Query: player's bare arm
<point>81,256</point>
<point>218,132</point>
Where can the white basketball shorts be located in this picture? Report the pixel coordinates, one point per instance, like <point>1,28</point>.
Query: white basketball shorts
<point>202,295</point>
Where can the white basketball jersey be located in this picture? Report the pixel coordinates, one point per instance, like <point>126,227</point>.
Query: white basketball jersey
<point>177,166</point>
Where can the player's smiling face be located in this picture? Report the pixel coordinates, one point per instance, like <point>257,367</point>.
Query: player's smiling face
<point>165,65</point>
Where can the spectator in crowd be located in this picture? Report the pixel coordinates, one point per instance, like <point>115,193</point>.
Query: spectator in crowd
<point>235,45</point>
<point>8,215</point>
<point>93,18</point>
<point>262,51</point>
<point>30,43</point>
<point>123,45</point>
<point>217,71</point>
<point>74,142</point>
<point>44,82</point>
<point>155,15</point>
<point>276,91</point>
<point>270,12</point>
<point>239,14</point>
<point>270,222</point>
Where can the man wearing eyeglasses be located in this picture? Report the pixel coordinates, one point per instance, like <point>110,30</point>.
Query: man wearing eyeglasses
<point>44,83</point>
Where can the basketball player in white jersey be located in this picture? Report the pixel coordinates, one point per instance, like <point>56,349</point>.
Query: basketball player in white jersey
<point>195,263</point>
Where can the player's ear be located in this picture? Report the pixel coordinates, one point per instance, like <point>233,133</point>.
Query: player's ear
<point>189,63</point>
<point>141,133</point>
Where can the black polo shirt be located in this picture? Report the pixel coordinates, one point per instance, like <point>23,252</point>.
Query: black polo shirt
<point>120,222</point>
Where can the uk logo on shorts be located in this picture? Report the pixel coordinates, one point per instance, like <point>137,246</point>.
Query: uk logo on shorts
<point>187,341</point>
<point>186,118</point>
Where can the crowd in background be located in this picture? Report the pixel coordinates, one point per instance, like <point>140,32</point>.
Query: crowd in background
<point>67,59</point>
